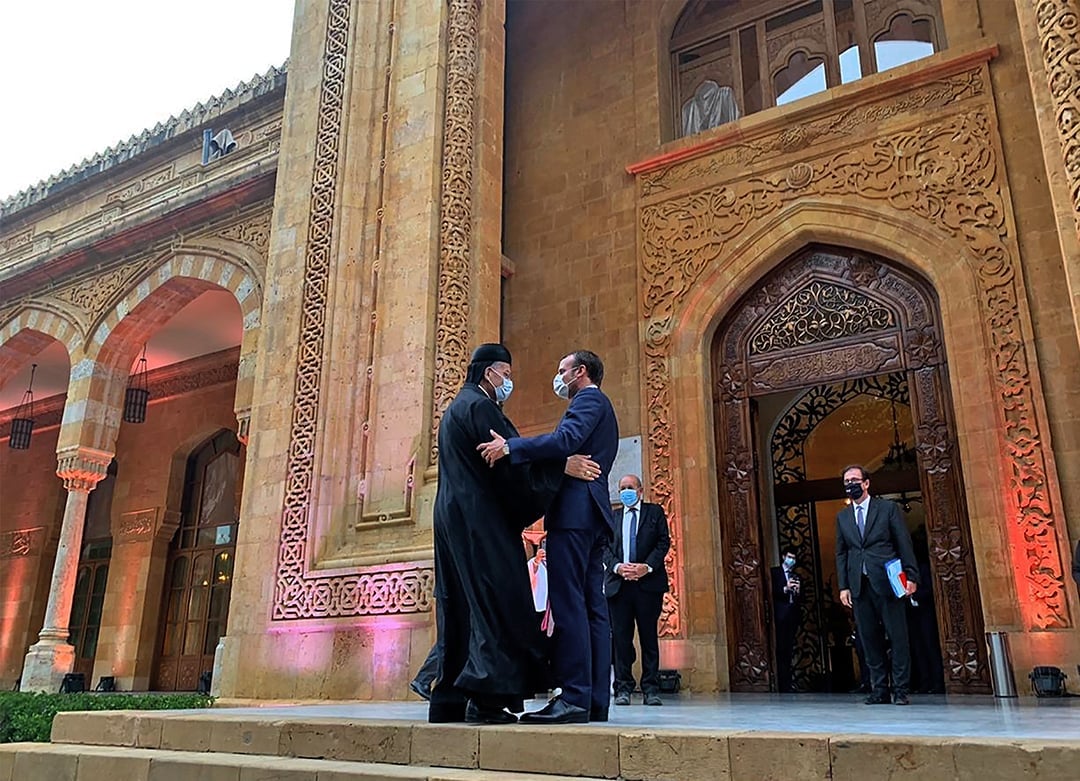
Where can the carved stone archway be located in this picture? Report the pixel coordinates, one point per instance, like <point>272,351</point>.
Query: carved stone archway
<point>830,315</point>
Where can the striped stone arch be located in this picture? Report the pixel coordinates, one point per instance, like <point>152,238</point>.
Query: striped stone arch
<point>31,330</point>
<point>98,381</point>
<point>177,280</point>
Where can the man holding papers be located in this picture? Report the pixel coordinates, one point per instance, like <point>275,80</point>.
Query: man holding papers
<point>869,533</point>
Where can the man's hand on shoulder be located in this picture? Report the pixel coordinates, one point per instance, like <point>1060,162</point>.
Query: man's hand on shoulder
<point>494,450</point>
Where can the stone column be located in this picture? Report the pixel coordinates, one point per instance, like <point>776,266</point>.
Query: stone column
<point>1050,30</point>
<point>52,657</point>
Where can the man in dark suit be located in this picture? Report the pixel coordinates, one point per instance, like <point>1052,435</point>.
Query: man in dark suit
<point>786,606</point>
<point>870,532</point>
<point>579,526</point>
<point>635,582</point>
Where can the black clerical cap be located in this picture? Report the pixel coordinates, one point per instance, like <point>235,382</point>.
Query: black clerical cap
<point>490,353</point>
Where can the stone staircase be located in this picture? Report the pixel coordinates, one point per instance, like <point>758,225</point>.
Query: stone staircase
<point>217,746</point>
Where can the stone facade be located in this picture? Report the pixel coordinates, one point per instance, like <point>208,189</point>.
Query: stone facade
<point>437,174</point>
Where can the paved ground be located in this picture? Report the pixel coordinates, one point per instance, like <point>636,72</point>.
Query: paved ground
<point>930,715</point>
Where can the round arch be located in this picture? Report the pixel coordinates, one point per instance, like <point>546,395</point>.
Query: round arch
<point>683,310</point>
<point>149,303</point>
<point>29,332</point>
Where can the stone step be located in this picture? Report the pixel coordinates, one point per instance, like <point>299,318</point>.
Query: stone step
<point>587,751</point>
<point>69,762</point>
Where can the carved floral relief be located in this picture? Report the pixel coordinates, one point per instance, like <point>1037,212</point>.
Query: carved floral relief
<point>945,173</point>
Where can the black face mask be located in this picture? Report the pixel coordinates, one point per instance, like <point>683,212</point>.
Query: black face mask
<point>853,490</point>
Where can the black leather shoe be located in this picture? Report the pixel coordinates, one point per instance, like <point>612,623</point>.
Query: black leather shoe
<point>557,711</point>
<point>446,713</point>
<point>877,699</point>
<point>598,714</point>
<point>900,698</point>
<point>622,698</point>
<point>652,698</point>
<point>475,713</point>
<point>420,691</point>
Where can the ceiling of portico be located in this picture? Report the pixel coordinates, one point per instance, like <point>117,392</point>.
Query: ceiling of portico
<point>210,323</point>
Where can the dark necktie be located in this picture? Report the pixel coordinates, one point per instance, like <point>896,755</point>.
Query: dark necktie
<point>632,548</point>
<point>860,521</point>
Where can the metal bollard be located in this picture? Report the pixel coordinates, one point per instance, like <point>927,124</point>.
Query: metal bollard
<point>1001,667</point>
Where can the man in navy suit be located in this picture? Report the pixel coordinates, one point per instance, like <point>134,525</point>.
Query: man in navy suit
<point>869,532</point>
<point>636,580</point>
<point>579,526</point>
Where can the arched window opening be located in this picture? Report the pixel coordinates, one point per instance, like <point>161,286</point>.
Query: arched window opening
<point>801,77</point>
<point>907,39</point>
<point>735,57</point>
<point>92,576</point>
<point>198,579</point>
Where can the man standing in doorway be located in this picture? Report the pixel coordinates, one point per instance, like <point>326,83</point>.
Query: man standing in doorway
<point>870,532</point>
<point>579,526</point>
<point>786,608</point>
<point>635,583</point>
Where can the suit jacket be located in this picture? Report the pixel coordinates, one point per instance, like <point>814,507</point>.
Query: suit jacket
<point>589,426</point>
<point>785,607</point>
<point>886,537</point>
<point>652,543</point>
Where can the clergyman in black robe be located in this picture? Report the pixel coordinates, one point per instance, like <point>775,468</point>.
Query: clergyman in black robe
<point>489,638</point>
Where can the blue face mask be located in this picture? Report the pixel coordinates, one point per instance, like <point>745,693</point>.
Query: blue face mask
<point>502,392</point>
<point>628,496</point>
<point>561,389</point>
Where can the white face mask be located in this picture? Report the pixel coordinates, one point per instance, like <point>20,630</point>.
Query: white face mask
<point>562,390</point>
<point>502,392</point>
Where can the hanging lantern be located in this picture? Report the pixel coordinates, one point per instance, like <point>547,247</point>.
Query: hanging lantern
<point>137,393</point>
<point>22,425</point>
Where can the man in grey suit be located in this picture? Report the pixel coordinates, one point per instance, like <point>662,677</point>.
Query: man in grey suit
<point>870,532</point>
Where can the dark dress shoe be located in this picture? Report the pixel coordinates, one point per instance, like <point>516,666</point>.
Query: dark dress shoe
<point>652,698</point>
<point>598,714</point>
<point>477,713</point>
<point>557,711</point>
<point>877,699</point>
<point>446,713</point>
<point>419,690</point>
<point>622,698</point>
<point>901,699</point>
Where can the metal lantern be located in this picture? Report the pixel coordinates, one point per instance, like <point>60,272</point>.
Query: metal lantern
<point>137,394</point>
<point>22,425</point>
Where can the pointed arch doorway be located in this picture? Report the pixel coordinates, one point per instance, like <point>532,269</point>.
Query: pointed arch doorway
<point>834,318</point>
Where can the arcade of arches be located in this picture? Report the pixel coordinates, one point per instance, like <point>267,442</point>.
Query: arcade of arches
<point>799,232</point>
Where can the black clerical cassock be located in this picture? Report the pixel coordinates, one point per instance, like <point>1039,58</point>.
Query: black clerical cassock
<point>488,629</point>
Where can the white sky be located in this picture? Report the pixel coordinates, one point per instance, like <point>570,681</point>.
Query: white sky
<point>77,76</point>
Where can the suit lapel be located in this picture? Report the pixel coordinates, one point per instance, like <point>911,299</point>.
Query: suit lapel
<point>871,517</point>
<point>853,528</point>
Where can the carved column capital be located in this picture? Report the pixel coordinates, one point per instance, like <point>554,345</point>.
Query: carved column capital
<point>243,425</point>
<point>82,468</point>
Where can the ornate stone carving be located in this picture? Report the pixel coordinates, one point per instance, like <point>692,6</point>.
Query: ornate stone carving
<point>855,122</point>
<point>1059,38</point>
<point>81,468</point>
<point>254,231</point>
<point>819,312</point>
<point>143,184</point>
<point>455,225</point>
<point>94,294</point>
<point>944,172</point>
<point>21,542</point>
<point>136,526</point>
<point>298,593</point>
